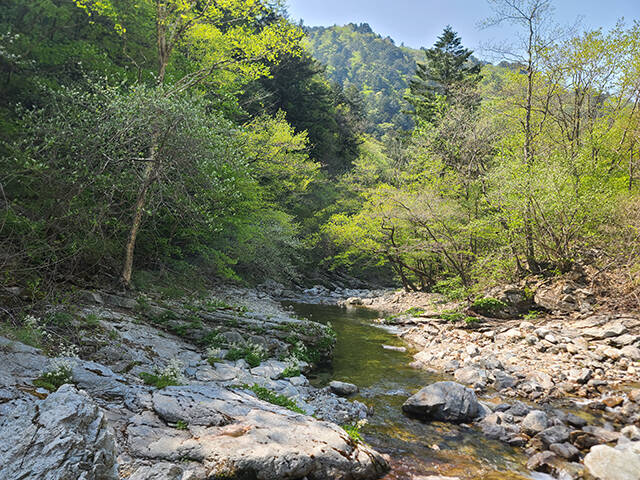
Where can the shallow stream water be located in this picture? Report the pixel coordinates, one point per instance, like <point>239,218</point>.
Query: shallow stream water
<point>386,381</point>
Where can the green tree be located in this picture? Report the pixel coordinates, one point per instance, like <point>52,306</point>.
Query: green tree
<point>448,65</point>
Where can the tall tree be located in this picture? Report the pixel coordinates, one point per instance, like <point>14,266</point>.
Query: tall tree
<point>447,64</point>
<point>237,35</point>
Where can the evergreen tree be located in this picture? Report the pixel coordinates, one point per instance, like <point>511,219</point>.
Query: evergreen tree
<point>447,65</point>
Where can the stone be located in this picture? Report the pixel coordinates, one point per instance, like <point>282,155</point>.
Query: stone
<point>535,422</point>
<point>565,450</point>
<point>583,440</point>
<point>634,395</point>
<point>510,335</point>
<point>631,352</point>
<point>234,434</point>
<point>503,380</point>
<point>607,463</point>
<point>631,432</point>
<point>471,376</point>
<point>64,436</point>
<point>542,462</point>
<point>519,409</point>
<point>624,340</point>
<point>612,402</point>
<point>580,376</point>
<point>575,420</point>
<point>343,389</point>
<point>605,331</point>
<point>555,434</point>
<point>602,434</point>
<point>446,401</point>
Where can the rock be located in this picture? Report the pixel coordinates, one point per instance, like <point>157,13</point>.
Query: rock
<point>583,440</point>
<point>64,436</point>
<point>166,471</point>
<point>581,376</point>
<point>631,432</point>
<point>471,376</point>
<point>395,349</point>
<point>542,462</point>
<point>634,395</point>
<point>535,422</point>
<point>503,380</point>
<point>605,331</point>
<point>233,434</point>
<point>447,401</point>
<point>516,301</point>
<point>518,409</point>
<point>472,350</point>
<point>613,402</point>
<point>631,352</point>
<point>565,450</point>
<point>575,420</point>
<point>555,434</point>
<point>511,335</point>
<point>343,389</point>
<point>607,463</point>
<point>603,435</point>
<point>563,296</point>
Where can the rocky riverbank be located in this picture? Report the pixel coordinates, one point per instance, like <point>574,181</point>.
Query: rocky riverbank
<point>561,383</point>
<point>117,387</point>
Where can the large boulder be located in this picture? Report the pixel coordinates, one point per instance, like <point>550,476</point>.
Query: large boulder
<point>620,463</point>
<point>232,434</point>
<point>446,401</point>
<point>64,437</point>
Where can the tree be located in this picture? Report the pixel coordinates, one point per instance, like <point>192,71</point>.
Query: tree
<point>448,64</point>
<point>533,16</point>
<point>231,35</point>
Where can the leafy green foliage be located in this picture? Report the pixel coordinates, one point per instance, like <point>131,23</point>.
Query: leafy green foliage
<point>251,353</point>
<point>54,379</point>
<point>276,399</point>
<point>488,306</point>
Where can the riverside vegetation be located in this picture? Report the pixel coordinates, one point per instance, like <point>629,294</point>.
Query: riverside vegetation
<point>167,167</point>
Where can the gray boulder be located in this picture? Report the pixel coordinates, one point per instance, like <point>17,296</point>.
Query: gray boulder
<point>343,389</point>
<point>64,437</point>
<point>535,422</point>
<point>446,401</point>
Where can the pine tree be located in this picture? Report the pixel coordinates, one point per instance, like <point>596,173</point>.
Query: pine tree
<point>447,64</point>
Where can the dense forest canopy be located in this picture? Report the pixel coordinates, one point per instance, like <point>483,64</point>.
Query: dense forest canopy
<point>219,140</point>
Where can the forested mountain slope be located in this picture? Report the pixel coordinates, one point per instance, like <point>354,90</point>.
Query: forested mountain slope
<point>380,69</point>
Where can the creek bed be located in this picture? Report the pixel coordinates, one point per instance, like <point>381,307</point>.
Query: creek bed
<point>386,381</point>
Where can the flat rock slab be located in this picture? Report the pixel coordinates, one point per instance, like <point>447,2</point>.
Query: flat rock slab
<point>235,435</point>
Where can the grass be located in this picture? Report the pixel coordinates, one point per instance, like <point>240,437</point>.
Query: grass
<point>274,398</point>
<point>182,425</point>
<point>353,430</point>
<point>158,380</point>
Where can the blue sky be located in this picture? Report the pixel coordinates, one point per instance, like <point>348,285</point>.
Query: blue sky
<point>419,22</point>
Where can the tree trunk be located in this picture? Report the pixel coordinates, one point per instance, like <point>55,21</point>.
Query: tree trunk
<point>149,176</point>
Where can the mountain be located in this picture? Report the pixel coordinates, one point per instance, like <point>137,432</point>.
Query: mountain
<point>355,55</point>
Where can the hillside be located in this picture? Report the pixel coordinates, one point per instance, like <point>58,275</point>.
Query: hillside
<point>356,55</point>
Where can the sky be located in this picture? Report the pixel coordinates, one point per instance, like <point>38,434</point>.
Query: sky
<point>417,23</point>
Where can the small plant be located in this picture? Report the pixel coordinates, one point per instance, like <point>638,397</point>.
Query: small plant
<point>214,355</point>
<point>531,315</point>
<point>142,304</point>
<point>60,371</point>
<point>252,353</point>
<point>182,425</point>
<point>213,339</point>
<point>452,316</point>
<point>353,430</point>
<point>92,320</point>
<point>488,305</point>
<point>290,372</point>
<point>215,304</point>
<point>414,311</point>
<point>471,321</point>
<point>274,398</point>
<point>169,375</point>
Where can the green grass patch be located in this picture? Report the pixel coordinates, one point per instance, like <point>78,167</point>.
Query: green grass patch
<point>158,380</point>
<point>272,397</point>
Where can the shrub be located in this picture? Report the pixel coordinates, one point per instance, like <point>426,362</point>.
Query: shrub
<point>488,305</point>
<point>170,375</point>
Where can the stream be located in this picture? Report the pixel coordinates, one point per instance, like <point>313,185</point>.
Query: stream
<point>385,381</point>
